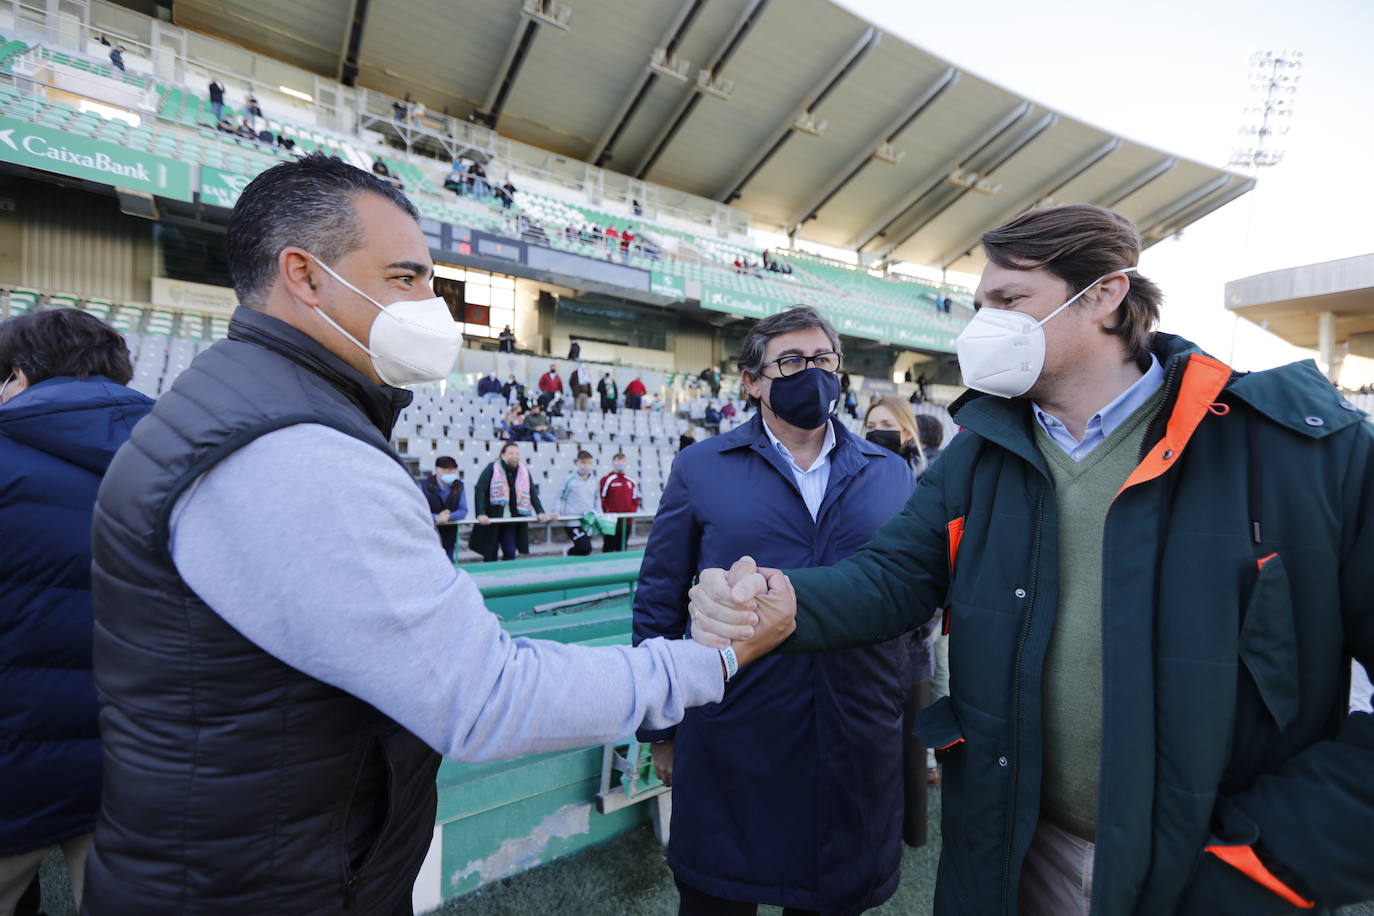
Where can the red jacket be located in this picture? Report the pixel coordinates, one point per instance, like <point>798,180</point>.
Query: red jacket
<point>635,387</point>
<point>619,493</point>
<point>551,383</point>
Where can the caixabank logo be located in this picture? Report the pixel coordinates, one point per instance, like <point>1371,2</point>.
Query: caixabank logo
<point>53,150</point>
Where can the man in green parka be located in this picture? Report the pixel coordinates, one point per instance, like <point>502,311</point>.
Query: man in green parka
<point>1155,572</point>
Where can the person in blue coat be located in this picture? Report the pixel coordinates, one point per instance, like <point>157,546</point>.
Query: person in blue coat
<point>789,791</point>
<point>64,411</point>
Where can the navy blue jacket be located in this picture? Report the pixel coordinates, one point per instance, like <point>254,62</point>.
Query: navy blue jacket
<point>789,791</point>
<point>56,440</point>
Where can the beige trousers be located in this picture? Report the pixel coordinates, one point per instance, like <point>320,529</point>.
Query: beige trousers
<point>1057,877</point>
<point>17,871</point>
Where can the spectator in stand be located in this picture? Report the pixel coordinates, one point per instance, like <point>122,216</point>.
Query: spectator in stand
<point>245,130</point>
<point>489,387</point>
<point>456,179</point>
<point>574,350</point>
<point>711,376</point>
<point>728,411</point>
<point>505,341</point>
<point>478,179</point>
<point>117,58</point>
<point>522,399</point>
<point>930,433</point>
<point>508,389</point>
<point>381,170</point>
<point>555,408</point>
<point>447,502</point>
<point>921,382</point>
<point>597,234</point>
<point>890,423</point>
<point>504,490</point>
<point>608,391</point>
<point>286,143</point>
<point>739,266</point>
<point>577,498</point>
<point>619,493</point>
<point>712,419</point>
<point>217,98</point>
<point>64,412</point>
<point>550,382</point>
<point>507,194</point>
<point>635,206</point>
<point>581,386</point>
<point>537,422</point>
<point>399,109</point>
<point>627,239</point>
<point>634,394</point>
<point>513,425</point>
<point>254,109</point>
<point>851,403</point>
<point>225,125</point>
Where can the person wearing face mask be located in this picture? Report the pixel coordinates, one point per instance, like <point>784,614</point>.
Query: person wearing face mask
<point>447,502</point>
<point>890,423</point>
<point>281,655</point>
<point>788,792</point>
<point>64,411</point>
<point>619,493</point>
<point>504,489</point>
<point>575,500</point>
<point>1155,573</point>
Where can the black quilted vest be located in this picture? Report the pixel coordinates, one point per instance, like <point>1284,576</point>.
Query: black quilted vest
<point>234,783</point>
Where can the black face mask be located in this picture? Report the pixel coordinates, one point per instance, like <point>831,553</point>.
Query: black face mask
<point>805,400</point>
<point>889,439</point>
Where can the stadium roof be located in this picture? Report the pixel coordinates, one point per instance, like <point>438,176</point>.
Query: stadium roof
<point>1290,302</point>
<point>799,111</point>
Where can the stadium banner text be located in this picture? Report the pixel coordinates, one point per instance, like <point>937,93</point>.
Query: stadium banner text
<point>737,303</point>
<point>220,188</point>
<point>667,285</point>
<point>199,297</point>
<point>81,157</point>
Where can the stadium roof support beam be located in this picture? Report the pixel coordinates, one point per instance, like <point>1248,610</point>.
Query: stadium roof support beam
<point>743,26</point>
<point>490,112</point>
<point>864,156</point>
<point>1056,184</point>
<point>353,43</point>
<point>1154,172</point>
<point>1199,210</point>
<point>884,222</point>
<point>1152,225</point>
<point>1026,139</point>
<point>808,104</point>
<point>604,149</point>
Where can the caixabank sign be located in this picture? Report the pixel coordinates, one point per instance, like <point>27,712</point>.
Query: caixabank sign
<point>81,157</point>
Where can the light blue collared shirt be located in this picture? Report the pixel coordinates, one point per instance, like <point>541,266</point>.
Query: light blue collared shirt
<point>813,481</point>
<point>1105,421</point>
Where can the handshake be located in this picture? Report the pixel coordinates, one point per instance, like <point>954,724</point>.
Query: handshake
<point>750,608</point>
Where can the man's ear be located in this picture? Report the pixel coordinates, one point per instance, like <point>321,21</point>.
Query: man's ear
<point>300,275</point>
<point>751,384</point>
<point>1108,296</point>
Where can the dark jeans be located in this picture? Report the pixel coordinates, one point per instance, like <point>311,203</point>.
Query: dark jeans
<point>507,541</point>
<point>692,902</point>
<point>633,401</point>
<point>448,537</point>
<point>607,405</point>
<point>613,543</point>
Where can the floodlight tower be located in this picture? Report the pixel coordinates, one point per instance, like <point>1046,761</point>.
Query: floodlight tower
<point>1274,79</point>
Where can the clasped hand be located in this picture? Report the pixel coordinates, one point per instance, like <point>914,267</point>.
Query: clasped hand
<point>750,608</point>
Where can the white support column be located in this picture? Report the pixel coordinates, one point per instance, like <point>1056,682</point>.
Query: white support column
<point>1326,344</point>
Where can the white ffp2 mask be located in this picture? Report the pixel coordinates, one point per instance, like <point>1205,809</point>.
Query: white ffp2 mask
<point>413,340</point>
<point>1002,352</point>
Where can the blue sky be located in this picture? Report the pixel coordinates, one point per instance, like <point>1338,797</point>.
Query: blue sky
<point>1173,74</point>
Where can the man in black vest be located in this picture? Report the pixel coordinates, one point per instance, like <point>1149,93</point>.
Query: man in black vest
<point>447,502</point>
<point>279,654</point>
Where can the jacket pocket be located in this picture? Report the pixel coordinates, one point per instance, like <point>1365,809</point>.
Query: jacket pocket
<point>1268,642</point>
<point>938,727</point>
<point>368,815</point>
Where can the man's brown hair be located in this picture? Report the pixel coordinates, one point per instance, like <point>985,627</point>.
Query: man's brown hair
<point>1078,243</point>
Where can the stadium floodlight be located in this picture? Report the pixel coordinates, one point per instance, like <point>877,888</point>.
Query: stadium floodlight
<point>297,94</point>
<point>669,65</point>
<point>1274,77</point>
<point>888,152</point>
<point>717,86</point>
<point>547,12</point>
<point>807,124</point>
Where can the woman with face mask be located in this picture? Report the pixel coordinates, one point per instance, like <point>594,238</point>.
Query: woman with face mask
<point>890,423</point>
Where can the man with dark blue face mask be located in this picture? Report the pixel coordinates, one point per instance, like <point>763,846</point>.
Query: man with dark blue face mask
<point>776,797</point>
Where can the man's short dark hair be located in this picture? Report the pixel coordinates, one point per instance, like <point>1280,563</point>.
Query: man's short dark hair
<point>307,203</point>
<point>62,342</point>
<point>930,431</point>
<point>1078,243</point>
<point>583,456</point>
<point>444,461</point>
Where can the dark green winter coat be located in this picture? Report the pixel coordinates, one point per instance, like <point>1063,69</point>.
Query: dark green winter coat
<point>1226,660</point>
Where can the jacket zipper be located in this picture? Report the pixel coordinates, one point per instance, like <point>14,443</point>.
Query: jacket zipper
<point>1170,382</point>
<point>350,887</point>
<point>1016,698</point>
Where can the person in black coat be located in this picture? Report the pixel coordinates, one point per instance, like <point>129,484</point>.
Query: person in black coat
<point>609,392</point>
<point>574,350</point>
<point>64,412</point>
<point>447,502</point>
<point>514,495</point>
<point>506,340</point>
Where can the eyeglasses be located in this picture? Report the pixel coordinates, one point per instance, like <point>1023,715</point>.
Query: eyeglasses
<point>791,365</point>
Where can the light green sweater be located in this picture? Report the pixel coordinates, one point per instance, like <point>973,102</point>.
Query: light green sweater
<point>1084,491</point>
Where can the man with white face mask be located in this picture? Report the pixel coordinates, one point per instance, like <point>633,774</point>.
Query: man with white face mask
<point>1155,573</point>
<point>282,655</point>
